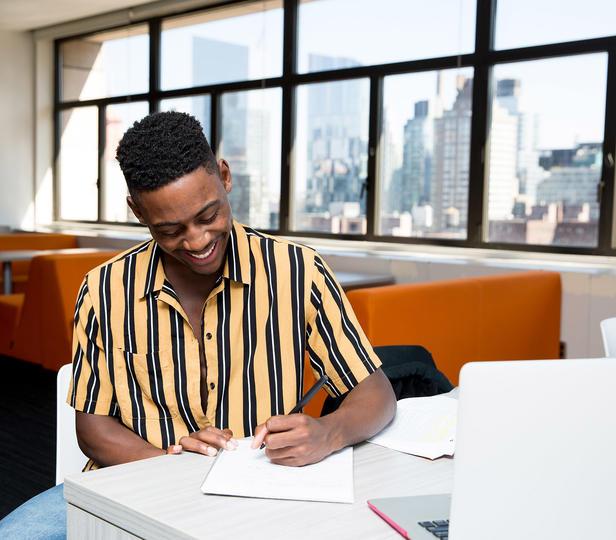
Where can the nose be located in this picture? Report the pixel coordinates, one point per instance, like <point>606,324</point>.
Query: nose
<point>196,239</point>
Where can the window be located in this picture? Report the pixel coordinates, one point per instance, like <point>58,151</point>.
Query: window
<point>406,30</point>
<point>545,150</point>
<point>223,45</point>
<point>78,164</point>
<point>522,23</point>
<point>425,154</point>
<point>118,118</point>
<point>470,123</point>
<point>106,64</point>
<point>331,149</point>
<point>250,141</point>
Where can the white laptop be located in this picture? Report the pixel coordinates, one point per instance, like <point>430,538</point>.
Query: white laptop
<point>535,456</point>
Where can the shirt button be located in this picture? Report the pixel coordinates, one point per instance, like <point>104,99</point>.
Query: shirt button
<point>208,336</point>
<point>212,386</point>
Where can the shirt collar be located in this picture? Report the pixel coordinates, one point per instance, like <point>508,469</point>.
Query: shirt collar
<point>237,265</point>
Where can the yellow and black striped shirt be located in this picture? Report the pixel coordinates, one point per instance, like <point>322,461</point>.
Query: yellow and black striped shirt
<point>135,355</point>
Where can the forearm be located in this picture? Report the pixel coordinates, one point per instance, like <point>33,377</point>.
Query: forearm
<point>368,408</point>
<point>108,442</point>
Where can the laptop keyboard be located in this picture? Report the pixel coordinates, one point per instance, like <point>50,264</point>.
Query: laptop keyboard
<point>439,528</point>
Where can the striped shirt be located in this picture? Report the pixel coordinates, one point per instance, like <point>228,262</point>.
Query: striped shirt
<point>135,355</point>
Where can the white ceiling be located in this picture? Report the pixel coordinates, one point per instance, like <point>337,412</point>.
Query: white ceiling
<point>30,14</point>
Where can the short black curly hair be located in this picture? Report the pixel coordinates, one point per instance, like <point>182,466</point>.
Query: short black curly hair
<point>161,148</point>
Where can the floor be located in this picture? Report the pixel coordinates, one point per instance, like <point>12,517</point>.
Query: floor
<point>27,431</point>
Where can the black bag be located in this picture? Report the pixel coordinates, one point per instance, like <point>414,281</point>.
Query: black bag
<point>410,370</point>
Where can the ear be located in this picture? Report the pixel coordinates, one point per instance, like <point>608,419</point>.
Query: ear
<point>135,208</point>
<point>225,174</point>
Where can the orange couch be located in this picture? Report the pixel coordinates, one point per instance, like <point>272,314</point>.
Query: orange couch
<point>20,241</point>
<point>502,317</point>
<point>37,325</point>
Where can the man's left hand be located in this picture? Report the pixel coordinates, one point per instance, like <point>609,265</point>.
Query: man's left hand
<point>295,439</point>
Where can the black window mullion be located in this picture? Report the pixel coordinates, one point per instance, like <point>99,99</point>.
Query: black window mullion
<point>374,132</point>
<point>215,116</point>
<point>289,66</point>
<point>57,86</point>
<point>606,185</point>
<point>154,84</point>
<point>479,121</point>
<point>102,141</point>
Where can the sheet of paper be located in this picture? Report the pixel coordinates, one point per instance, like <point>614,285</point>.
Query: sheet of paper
<point>423,427</point>
<point>249,473</point>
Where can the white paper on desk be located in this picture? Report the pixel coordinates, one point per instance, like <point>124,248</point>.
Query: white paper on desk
<point>423,427</point>
<point>249,473</point>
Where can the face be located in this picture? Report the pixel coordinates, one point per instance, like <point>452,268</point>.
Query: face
<point>190,218</point>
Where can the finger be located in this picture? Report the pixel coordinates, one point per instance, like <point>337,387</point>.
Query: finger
<point>284,439</point>
<point>228,432</point>
<point>282,453</point>
<point>289,462</point>
<point>286,422</point>
<point>174,449</point>
<point>260,433</point>
<point>215,437</point>
<point>195,445</point>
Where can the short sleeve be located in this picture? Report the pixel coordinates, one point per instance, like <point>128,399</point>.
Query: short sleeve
<point>337,345</point>
<point>91,390</point>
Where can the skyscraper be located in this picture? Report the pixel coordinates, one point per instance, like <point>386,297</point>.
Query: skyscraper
<point>337,157</point>
<point>452,137</point>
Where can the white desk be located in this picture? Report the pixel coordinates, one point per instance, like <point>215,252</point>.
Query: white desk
<point>160,498</point>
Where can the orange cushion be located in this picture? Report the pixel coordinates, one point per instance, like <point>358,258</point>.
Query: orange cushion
<point>10,310</point>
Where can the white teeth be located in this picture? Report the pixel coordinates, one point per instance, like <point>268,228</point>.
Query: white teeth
<point>204,255</point>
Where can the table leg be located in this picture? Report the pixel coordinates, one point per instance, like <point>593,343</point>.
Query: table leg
<point>7,275</point>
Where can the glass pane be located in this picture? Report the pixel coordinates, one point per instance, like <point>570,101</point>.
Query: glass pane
<point>198,106</point>
<point>222,45</point>
<point>331,157</point>
<point>544,159</point>
<point>522,23</point>
<point>250,140</point>
<point>425,153</point>
<point>107,64</point>
<point>118,118</point>
<point>345,33</point>
<point>78,164</point>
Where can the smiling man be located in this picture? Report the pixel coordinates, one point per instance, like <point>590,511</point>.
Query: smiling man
<point>198,336</point>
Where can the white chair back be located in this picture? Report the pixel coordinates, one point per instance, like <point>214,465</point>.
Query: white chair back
<point>608,333</point>
<point>69,457</point>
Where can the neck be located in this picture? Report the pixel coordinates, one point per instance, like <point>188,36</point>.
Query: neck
<point>184,280</point>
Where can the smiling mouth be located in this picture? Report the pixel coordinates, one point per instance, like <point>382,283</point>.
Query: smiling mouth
<point>203,255</point>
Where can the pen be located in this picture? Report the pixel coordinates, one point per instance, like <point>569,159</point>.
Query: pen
<point>307,397</point>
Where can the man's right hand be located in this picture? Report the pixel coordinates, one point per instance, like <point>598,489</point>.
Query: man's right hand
<point>207,441</point>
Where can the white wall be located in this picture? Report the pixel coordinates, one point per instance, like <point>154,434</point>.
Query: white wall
<point>16,132</point>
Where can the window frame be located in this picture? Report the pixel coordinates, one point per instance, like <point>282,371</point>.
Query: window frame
<point>481,61</point>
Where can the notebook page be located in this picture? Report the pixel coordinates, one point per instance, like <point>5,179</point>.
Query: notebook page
<point>423,427</point>
<point>249,473</point>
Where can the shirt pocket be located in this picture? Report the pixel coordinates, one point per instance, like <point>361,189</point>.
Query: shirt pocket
<point>145,384</point>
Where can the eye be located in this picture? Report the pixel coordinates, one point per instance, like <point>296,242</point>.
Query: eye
<point>211,218</point>
<point>168,234</point>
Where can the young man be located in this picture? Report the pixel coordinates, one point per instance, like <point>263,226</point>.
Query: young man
<point>198,336</point>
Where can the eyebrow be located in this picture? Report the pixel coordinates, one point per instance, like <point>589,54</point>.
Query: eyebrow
<point>176,223</point>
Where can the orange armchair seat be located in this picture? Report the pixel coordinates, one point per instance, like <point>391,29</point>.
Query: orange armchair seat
<point>41,319</point>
